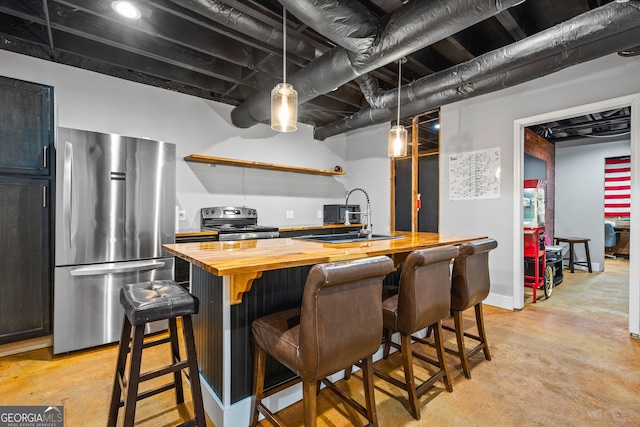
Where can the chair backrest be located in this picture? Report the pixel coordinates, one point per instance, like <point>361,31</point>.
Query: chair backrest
<point>424,295</point>
<point>470,283</point>
<point>341,316</point>
<point>610,239</point>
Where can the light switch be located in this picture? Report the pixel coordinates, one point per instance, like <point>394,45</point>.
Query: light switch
<point>319,215</point>
<point>182,215</point>
<point>289,214</point>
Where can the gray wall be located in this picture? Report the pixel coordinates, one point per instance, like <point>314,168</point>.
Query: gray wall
<point>92,101</point>
<point>580,194</point>
<point>488,121</point>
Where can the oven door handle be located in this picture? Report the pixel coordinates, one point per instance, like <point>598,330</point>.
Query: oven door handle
<point>117,267</point>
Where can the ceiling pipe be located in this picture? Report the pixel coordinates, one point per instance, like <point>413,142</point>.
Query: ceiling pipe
<point>583,29</point>
<point>586,28</point>
<point>346,22</point>
<point>411,27</point>
<point>531,71</point>
<point>226,15</point>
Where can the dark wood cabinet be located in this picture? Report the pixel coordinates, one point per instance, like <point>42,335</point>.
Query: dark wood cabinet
<point>26,127</point>
<point>25,292</point>
<point>26,188</point>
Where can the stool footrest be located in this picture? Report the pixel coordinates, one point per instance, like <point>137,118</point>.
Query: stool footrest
<point>164,371</point>
<point>152,392</point>
<point>348,399</point>
<point>191,422</point>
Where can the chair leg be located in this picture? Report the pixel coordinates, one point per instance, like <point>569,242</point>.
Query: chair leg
<point>123,350</point>
<point>437,335</point>
<point>367,375</point>
<point>481,331</point>
<point>134,376</point>
<point>309,402</point>
<point>387,344</point>
<point>407,360</point>
<point>194,373</point>
<point>462,351</point>
<point>175,357</point>
<point>259,361</point>
<point>347,372</point>
<point>586,250</point>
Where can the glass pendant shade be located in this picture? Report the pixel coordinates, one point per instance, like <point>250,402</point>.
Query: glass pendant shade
<point>397,141</point>
<point>284,108</point>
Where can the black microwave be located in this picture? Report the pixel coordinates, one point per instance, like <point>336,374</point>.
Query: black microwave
<point>334,214</point>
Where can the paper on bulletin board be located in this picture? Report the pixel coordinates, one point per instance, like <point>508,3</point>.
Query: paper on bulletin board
<point>475,175</point>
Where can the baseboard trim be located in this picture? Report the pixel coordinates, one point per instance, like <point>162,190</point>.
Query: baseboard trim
<point>26,345</point>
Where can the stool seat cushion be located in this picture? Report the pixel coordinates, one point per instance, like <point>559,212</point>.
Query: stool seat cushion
<point>279,334</point>
<point>158,300</point>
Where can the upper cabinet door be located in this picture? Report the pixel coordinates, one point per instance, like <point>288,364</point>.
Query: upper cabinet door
<point>26,127</point>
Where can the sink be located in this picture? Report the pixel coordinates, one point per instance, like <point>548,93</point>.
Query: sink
<point>347,238</point>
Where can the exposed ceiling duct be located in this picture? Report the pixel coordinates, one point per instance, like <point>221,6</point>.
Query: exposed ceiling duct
<point>416,25</point>
<point>602,31</point>
<point>347,23</point>
<point>228,16</point>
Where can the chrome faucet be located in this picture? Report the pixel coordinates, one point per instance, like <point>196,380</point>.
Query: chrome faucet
<point>365,217</point>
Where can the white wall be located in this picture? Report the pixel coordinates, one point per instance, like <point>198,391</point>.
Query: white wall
<point>487,121</point>
<point>92,101</point>
<point>580,194</point>
<point>370,170</point>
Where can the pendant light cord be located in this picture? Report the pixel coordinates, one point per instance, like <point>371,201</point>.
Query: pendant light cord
<point>399,83</point>
<point>284,45</point>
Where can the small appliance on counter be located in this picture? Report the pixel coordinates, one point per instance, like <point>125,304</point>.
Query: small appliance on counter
<point>334,214</point>
<point>235,223</point>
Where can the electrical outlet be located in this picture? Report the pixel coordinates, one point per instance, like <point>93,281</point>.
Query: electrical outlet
<point>319,215</point>
<point>289,214</point>
<point>182,215</point>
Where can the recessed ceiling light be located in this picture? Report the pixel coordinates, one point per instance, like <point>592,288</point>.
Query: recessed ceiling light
<point>126,9</point>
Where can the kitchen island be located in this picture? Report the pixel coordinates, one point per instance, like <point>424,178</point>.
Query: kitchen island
<point>240,281</point>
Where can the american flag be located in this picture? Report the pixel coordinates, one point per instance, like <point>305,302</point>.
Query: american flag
<point>617,187</point>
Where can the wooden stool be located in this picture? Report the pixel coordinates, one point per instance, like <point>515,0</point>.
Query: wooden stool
<point>144,303</point>
<point>571,241</point>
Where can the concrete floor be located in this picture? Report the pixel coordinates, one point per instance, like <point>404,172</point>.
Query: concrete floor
<point>564,361</point>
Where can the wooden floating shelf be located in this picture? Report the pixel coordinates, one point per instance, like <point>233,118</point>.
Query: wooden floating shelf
<point>199,158</point>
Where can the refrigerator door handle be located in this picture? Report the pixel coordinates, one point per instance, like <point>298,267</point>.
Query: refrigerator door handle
<point>117,267</point>
<point>66,193</point>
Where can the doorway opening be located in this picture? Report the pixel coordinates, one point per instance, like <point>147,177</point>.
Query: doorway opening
<point>632,101</point>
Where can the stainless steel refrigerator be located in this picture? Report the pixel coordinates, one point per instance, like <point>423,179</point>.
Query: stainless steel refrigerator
<point>115,208</point>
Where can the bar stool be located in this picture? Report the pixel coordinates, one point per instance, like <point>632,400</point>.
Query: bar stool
<point>148,302</point>
<point>469,287</point>
<point>423,300</point>
<point>571,241</point>
<point>339,324</point>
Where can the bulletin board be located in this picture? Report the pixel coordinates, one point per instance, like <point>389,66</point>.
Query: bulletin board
<point>475,175</point>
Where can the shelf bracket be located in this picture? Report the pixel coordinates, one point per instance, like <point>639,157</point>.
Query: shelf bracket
<point>241,283</point>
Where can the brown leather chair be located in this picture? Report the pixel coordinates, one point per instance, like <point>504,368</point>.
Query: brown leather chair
<point>423,300</point>
<point>339,324</point>
<point>469,287</point>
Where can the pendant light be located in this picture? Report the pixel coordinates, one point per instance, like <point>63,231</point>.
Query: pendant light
<point>398,134</point>
<point>284,98</point>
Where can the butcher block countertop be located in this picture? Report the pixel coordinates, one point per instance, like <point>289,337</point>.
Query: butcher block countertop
<point>251,256</point>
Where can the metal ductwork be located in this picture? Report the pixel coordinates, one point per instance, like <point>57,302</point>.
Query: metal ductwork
<point>605,30</point>
<point>228,16</point>
<point>586,28</point>
<point>347,22</point>
<point>413,26</point>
